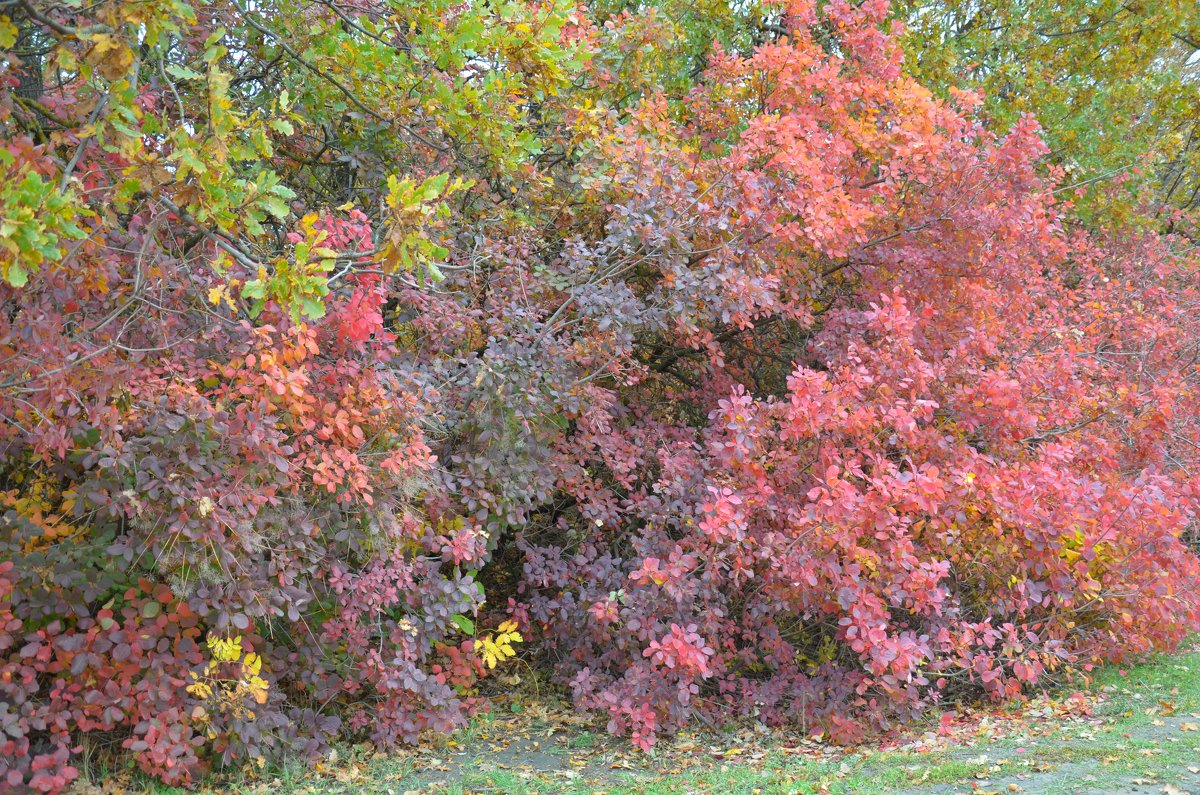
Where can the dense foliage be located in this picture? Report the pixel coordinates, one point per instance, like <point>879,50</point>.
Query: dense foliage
<point>1115,84</point>
<point>346,345</point>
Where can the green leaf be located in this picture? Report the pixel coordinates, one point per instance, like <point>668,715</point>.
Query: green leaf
<point>275,206</point>
<point>312,307</point>
<point>255,288</point>
<point>16,275</point>
<point>182,72</point>
<point>253,223</point>
<point>463,623</point>
<point>189,161</point>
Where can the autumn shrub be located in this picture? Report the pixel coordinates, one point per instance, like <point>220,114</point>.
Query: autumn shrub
<point>963,474</point>
<point>770,386</point>
<point>265,488</point>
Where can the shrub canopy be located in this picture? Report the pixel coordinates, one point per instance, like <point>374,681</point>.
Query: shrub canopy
<point>742,372</point>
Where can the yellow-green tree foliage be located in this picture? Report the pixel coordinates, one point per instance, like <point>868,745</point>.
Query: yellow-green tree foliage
<point>1116,84</point>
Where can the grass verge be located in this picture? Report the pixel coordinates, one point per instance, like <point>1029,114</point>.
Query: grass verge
<point>1131,728</point>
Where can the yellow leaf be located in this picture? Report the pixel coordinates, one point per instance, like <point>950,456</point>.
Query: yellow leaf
<point>220,294</point>
<point>111,57</point>
<point>8,33</point>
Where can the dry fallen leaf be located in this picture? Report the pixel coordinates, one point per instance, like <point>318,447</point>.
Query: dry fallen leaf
<point>1189,727</point>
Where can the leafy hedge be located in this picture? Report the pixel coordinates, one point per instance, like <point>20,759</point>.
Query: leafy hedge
<point>767,385</point>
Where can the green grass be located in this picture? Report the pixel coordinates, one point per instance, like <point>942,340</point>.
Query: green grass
<point>582,740</point>
<point>1129,744</point>
<point>1132,707</point>
<point>1175,679</point>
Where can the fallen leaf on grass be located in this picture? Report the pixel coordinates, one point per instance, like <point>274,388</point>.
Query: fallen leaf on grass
<point>1189,727</point>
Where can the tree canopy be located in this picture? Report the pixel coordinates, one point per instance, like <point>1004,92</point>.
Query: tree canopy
<point>1115,85</point>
